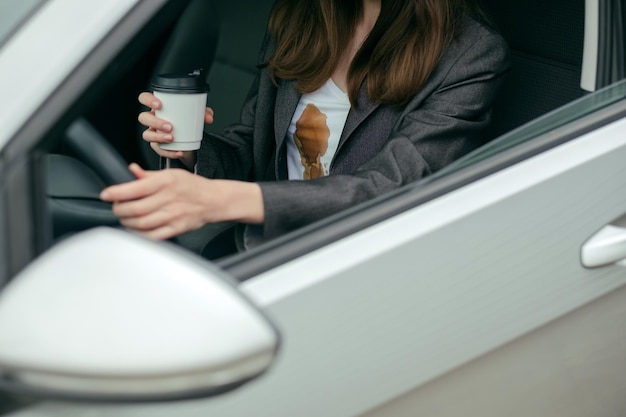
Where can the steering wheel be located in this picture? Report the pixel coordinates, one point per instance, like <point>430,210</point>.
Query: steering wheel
<point>97,153</point>
<point>73,184</point>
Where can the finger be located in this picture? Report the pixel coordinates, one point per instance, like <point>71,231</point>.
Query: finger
<point>138,171</point>
<point>148,222</point>
<point>209,116</point>
<point>131,190</point>
<point>170,229</point>
<point>148,119</point>
<point>150,100</point>
<point>160,233</point>
<point>165,153</point>
<point>151,135</point>
<point>138,209</point>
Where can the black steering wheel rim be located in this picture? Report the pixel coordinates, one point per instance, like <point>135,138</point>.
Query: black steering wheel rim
<point>96,152</point>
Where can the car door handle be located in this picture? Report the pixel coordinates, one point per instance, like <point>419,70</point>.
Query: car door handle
<point>606,247</point>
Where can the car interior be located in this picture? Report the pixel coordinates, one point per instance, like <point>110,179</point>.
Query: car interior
<point>546,39</point>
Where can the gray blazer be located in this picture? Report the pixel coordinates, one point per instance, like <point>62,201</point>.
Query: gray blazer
<point>381,147</point>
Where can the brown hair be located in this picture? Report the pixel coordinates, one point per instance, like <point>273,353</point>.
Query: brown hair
<point>395,60</point>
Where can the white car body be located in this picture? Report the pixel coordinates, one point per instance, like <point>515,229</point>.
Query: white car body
<point>473,303</point>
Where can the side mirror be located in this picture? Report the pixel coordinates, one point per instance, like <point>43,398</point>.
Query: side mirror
<point>109,316</point>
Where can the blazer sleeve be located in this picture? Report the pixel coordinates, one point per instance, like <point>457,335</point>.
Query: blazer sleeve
<point>445,125</point>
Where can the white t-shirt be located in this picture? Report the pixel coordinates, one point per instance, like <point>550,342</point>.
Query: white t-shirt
<point>315,131</point>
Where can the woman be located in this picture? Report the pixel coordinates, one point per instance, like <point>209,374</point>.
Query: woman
<point>354,98</point>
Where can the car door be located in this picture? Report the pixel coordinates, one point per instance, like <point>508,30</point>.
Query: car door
<point>475,302</point>
<point>478,294</point>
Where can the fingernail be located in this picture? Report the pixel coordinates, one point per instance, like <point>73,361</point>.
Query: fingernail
<point>166,127</point>
<point>155,104</point>
<point>104,195</point>
<point>168,138</point>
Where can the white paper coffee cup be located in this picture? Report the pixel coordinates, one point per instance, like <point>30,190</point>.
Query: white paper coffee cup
<point>183,101</point>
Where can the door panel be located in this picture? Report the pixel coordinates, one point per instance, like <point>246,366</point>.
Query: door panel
<point>572,367</point>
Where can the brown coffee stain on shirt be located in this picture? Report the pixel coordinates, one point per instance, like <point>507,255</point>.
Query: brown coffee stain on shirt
<point>311,138</point>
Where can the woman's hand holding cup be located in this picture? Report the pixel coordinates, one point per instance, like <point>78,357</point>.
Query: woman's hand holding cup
<point>161,131</point>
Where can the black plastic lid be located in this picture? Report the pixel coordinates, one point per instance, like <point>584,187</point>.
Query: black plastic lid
<point>181,83</point>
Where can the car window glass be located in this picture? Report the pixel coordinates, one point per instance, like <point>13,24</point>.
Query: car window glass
<point>551,121</point>
<point>12,13</point>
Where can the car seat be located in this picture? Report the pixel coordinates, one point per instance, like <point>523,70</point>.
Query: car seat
<point>546,40</point>
<point>242,27</point>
